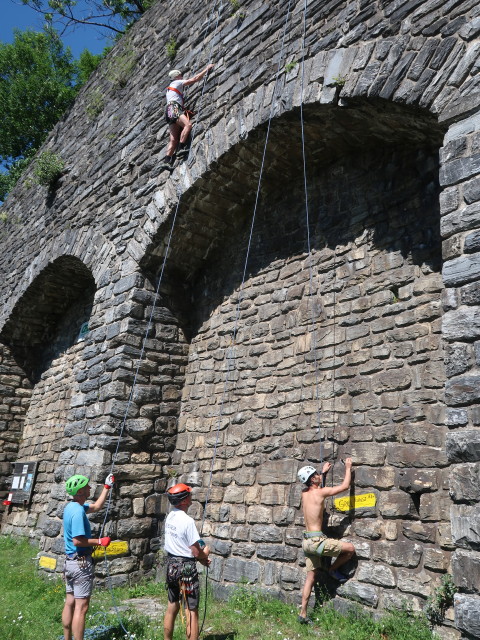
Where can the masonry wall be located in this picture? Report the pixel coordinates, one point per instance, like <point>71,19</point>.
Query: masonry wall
<point>390,108</point>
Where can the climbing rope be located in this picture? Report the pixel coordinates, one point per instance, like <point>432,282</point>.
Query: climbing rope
<point>230,351</point>
<point>314,349</point>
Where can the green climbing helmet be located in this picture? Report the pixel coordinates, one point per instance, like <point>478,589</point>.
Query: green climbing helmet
<point>75,483</point>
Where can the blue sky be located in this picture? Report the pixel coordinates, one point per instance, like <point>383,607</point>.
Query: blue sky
<point>16,15</point>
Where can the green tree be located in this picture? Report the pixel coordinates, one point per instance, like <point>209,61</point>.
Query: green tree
<point>39,80</point>
<point>111,15</point>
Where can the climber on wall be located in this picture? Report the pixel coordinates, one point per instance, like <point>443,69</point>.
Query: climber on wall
<point>177,117</point>
<point>78,570</point>
<point>184,547</point>
<point>315,543</point>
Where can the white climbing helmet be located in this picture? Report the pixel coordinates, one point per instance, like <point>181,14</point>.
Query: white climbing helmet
<point>305,473</point>
<point>174,73</point>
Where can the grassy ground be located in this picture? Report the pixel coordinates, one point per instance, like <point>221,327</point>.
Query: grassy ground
<point>31,608</point>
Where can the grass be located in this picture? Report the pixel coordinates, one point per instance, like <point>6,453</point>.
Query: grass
<point>32,605</point>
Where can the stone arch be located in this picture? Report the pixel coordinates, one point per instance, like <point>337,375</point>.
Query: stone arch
<point>373,184</point>
<point>43,339</point>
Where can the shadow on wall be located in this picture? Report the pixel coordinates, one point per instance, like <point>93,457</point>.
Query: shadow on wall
<point>367,164</point>
<point>48,318</point>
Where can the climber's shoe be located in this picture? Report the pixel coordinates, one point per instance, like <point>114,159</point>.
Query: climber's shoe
<point>337,575</point>
<point>305,620</point>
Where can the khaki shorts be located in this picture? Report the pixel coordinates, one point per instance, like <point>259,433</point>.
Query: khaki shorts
<point>79,577</point>
<point>317,547</point>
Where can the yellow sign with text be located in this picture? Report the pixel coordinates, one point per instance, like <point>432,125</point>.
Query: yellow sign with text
<point>47,563</point>
<point>355,502</point>
<point>116,548</point>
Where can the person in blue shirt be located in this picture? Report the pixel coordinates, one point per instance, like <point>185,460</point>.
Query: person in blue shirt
<point>79,545</point>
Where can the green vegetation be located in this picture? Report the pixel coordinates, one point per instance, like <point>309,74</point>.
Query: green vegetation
<point>32,608</point>
<point>47,169</point>
<point>290,65</point>
<point>39,80</point>
<point>338,81</point>
<point>121,67</point>
<point>112,16</point>
<point>171,49</point>
<point>95,104</point>
<point>440,600</point>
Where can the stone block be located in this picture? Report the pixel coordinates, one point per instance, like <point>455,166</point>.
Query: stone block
<point>466,570</point>
<point>465,483</point>
<point>435,507</point>
<point>378,574</point>
<point>370,529</point>
<point>467,614</point>
<point>236,570</point>
<point>360,592</point>
<point>403,455</point>
<point>417,583</point>
<point>463,446</point>
<point>417,480</point>
<point>276,552</point>
<point>419,531</point>
<point>134,528</point>
<point>436,560</point>
<point>465,523</point>
<point>377,477</point>
<point>367,454</point>
<point>396,504</point>
<point>398,554</point>
<point>461,324</point>
<point>278,472</point>
<point>265,533</point>
<point>259,514</point>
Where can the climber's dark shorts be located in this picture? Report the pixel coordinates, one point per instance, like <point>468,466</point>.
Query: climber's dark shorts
<point>182,581</point>
<point>173,111</point>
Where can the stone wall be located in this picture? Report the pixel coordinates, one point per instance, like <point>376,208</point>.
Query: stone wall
<point>390,106</point>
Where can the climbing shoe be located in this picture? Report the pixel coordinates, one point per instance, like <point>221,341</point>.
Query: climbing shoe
<point>182,154</point>
<point>165,164</point>
<point>337,575</point>
<point>303,620</point>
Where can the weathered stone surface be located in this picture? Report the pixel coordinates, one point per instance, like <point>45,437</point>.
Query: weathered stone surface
<point>363,593</point>
<point>400,554</point>
<point>235,570</point>
<point>463,446</point>
<point>416,583</point>
<point>466,570</point>
<point>465,522</point>
<point>376,574</point>
<point>467,614</point>
<point>465,483</point>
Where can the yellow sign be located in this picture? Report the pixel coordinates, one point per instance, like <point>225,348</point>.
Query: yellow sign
<point>116,548</point>
<point>355,502</point>
<point>47,563</point>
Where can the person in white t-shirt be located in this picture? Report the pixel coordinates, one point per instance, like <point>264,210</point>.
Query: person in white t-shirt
<point>179,122</point>
<point>183,547</point>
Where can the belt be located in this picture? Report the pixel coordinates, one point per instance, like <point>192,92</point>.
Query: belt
<point>76,556</point>
<point>183,558</point>
<point>314,534</point>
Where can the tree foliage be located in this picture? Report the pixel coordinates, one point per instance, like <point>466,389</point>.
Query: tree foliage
<point>39,80</point>
<point>110,15</point>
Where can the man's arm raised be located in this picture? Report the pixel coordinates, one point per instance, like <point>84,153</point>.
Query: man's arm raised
<point>332,491</point>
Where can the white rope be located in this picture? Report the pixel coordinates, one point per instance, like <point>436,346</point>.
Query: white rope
<point>230,351</point>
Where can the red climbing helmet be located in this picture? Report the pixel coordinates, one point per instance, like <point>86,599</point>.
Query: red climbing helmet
<point>178,493</point>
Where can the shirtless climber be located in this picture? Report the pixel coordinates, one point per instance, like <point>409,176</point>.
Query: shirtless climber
<point>315,543</point>
<point>178,120</point>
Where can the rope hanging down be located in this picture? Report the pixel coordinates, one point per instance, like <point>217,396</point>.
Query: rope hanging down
<point>230,351</point>
<point>314,348</point>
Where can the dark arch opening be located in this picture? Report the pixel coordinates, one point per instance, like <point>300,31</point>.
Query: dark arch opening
<point>48,317</point>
